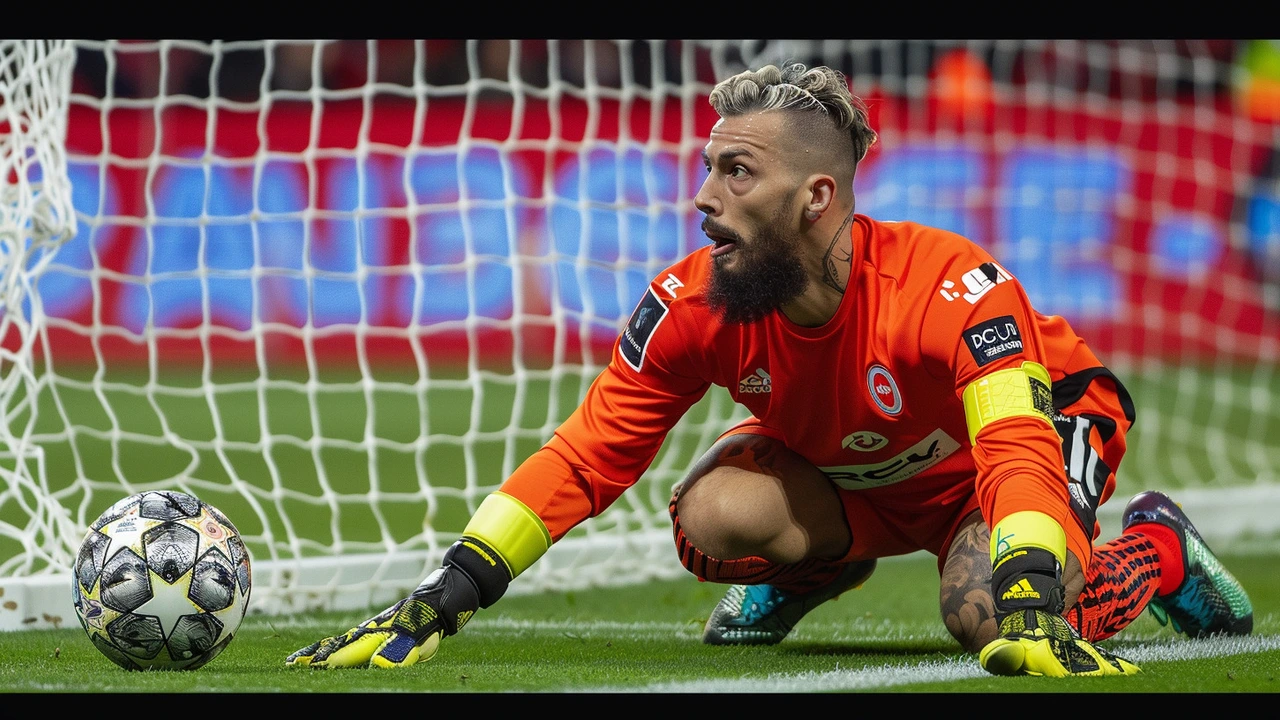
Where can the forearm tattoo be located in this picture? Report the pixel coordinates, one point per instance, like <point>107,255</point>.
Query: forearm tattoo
<point>837,257</point>
<point>965,591</point>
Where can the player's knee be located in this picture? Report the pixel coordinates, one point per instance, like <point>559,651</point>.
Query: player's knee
<point>750,495</point>
<point>725,515</point>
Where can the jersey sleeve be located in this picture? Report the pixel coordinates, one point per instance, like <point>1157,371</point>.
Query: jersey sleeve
<point>981,329</point>
<point>613,436</point>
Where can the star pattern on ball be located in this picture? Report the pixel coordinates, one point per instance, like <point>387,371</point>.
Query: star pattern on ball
<point>168,603</point>
<point>121,533</point>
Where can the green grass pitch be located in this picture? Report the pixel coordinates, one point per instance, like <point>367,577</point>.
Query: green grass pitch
<point>885,637</point>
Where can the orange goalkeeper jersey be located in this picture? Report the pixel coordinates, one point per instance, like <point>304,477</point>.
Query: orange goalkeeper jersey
<point>873,397</point>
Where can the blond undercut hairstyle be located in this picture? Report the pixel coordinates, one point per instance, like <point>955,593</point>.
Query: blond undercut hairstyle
<point>819,95</point>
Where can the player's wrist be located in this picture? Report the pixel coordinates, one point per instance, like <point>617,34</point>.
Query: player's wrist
<point>473,576</point>
<point>1027,552</point>
<point>482,566</point>
<point>1027,578</point>
<point>443,602</point>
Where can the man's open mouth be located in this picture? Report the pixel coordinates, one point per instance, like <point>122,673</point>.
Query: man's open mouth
<point>723,244</point>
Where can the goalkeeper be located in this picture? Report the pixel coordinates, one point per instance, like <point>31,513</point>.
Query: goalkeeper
<point>904,396</point>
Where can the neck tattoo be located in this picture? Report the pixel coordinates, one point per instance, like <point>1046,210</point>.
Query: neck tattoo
<point>836,257</point>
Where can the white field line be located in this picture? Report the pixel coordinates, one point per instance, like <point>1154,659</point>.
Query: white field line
<point>860,678</point>
<point>865,678</point>
<point>885,676</point>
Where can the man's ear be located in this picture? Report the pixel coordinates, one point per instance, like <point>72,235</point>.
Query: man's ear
<point>822,196</point>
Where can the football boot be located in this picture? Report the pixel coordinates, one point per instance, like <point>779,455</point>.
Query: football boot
<point>764,615</point>
<point>1210,600</point>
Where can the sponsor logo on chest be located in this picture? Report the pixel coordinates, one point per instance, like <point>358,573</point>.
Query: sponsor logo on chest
<point>919,457</point>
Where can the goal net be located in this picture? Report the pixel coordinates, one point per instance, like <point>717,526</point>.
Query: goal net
<point>341,289</point>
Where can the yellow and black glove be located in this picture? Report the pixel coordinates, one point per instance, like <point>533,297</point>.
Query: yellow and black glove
<point>1034,637</point>
<point>410,631</point>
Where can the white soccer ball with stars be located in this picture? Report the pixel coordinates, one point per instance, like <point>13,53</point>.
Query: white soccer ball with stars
<point>162,582</point>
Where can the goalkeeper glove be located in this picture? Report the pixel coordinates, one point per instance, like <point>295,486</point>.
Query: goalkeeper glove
<point>410,631</point>
<point>1034,637</point>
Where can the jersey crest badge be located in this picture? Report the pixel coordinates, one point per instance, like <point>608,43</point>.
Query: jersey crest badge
<point>634,340</point>
<point>884,390</point>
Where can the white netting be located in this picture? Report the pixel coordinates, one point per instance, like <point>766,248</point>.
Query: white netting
<point>36,217</point>
<point>340,289</point>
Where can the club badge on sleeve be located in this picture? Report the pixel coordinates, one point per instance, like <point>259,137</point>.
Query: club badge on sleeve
<point>634,340</point>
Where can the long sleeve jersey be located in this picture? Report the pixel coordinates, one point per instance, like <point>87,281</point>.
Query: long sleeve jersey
<point>873,397</point>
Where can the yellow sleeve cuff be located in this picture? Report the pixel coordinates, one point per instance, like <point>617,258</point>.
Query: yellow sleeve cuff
<point>1029,528</point>
<point>512,529</point>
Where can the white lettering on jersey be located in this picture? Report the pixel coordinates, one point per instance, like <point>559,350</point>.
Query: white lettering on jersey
<point>671,283</point>
<point>981,280</point>
<point>978,281</point>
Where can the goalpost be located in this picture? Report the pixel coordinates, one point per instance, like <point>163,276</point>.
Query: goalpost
<point>340,290</point>
<point>36,218</point>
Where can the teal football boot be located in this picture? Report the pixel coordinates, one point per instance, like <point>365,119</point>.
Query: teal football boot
<point>1210,601</point>
<point>764,615</point>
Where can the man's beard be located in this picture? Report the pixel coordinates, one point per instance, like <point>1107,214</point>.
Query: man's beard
<point>767,273</point>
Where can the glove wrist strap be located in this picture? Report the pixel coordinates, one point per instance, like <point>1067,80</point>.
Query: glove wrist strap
<point>471,578</point>
<point>482,565</point>
<point>1027,578</point>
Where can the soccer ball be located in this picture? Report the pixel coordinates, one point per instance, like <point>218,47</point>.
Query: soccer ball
<point>161,582</point>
